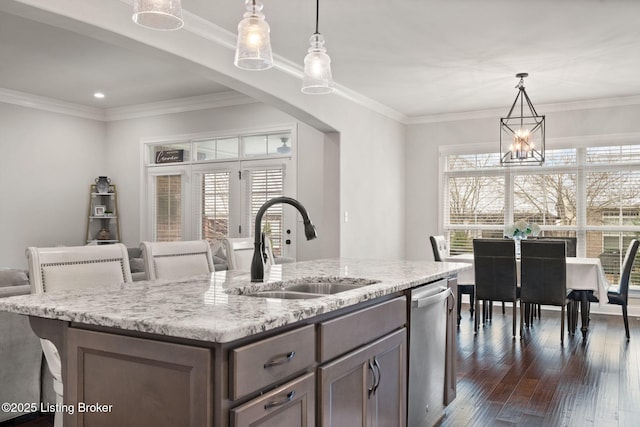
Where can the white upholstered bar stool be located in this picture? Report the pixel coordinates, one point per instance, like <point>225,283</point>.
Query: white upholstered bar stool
<point>239,252</point>
<point>68,268</point>
<point>172,260</point>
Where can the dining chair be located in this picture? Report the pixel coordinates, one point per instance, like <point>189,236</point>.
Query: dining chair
<point>619,294</point>
<point>572,243</point>
<point>440,252</point>
<point>70,268</point>
<point>240,252</point>
<point>173,260</point>
<point>543,281</point>
<point>495,272</point>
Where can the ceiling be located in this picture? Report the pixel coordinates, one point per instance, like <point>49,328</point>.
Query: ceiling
<point>417,57</point>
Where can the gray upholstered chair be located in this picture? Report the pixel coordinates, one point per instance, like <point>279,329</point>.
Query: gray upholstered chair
<point>619,294</point>
<point>172,260</point>
<point>68,268</point>
<point>494,262</point>
<point>20,350</point>
<point>440,252</point>
<point>543,280</point>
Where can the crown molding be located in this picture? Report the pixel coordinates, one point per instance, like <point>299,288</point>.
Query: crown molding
<point>181,105</point>
<point>28,100</point>
<point>546,108</point>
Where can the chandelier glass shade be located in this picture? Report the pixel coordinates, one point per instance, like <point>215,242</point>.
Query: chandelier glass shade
<point>522,132</point>
<point>253,49</point>
<point>165,15</point>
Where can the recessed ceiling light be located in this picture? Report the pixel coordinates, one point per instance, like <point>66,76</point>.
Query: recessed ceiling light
<point>98,95</point>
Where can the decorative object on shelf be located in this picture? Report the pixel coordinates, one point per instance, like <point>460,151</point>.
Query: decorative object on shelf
<point>164,15</point>
<point>103,184</point>
<point>104,234</point>
<point>253,49</point>
<point>99,210</point>
<point>522,137</point>
<point>519,231</point>
<point>317,78</point>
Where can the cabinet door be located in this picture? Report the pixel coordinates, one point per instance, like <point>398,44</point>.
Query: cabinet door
<point>366,387</point>
<point>390,388</point>
<point>291,405</point>
<point>137,381</point>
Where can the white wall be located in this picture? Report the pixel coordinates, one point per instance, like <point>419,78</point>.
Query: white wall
<point>563,127</point>
<point>47,164</point>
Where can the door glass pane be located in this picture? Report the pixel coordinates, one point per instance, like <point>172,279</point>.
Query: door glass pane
<point>215,205</point>
<point>611,248</point>
<point>168,208</point>
<point>264,185</point>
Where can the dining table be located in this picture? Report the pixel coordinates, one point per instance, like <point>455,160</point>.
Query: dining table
<point>585,278</point>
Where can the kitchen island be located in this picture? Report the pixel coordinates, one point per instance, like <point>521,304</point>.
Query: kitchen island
<point>190,351</point>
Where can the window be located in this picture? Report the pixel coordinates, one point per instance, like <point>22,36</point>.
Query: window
<point>211,188</point>
<point>588,192</point>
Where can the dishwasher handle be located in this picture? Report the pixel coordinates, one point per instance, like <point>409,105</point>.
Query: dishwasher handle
<point>440,294</point>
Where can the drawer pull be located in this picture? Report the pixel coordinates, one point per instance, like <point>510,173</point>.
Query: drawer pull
<point>286,359</point>
<point>288,398</point>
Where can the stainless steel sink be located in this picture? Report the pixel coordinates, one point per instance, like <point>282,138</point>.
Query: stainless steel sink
<point>323,288</point>
<point>314,288</point>
<point>284,295</point>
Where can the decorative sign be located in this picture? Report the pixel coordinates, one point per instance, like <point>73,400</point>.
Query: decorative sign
<point>169,156</point>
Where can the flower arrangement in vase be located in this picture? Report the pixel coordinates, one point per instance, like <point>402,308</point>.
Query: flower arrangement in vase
<point>521,229</point>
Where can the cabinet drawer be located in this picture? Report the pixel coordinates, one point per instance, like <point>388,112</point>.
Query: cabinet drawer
<point>292,404</point>
<point>265,362</point>
<point>348,332</point>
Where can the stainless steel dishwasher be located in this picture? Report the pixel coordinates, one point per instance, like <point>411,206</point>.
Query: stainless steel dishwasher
<point>427,352</point>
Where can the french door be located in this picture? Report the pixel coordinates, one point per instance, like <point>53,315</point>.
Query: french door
<point>217,200</point>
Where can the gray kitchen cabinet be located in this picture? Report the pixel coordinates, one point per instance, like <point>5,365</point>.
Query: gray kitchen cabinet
<point>292,404</point>
<point>366,387</point>
<point>118,380</point>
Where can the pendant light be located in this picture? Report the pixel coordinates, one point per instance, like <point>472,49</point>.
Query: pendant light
<point>522,132</point>
<point>163,15</point>
<point>317,78</point>
<point>253,51</point>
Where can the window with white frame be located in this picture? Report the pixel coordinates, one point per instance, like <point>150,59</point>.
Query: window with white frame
<point>591,193</point>
<point>212,187</point>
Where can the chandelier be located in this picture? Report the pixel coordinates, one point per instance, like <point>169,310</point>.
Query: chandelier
<point>522,131</point>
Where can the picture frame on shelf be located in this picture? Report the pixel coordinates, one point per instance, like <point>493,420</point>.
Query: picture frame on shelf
<point>99,210</point>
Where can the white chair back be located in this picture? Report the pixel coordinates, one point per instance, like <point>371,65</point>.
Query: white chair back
<point>73,267</point>
<point>172,260</point>
<point>240,252</point>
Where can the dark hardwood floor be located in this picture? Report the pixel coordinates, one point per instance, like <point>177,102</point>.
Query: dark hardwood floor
<point>536,381</point>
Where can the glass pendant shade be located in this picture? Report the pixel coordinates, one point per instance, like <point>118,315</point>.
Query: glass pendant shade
<point>317,78</point>
<point>253,51</point>
<point>158,14</point>
<point>522,133</point>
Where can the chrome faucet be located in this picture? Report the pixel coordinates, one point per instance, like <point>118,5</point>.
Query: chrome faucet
<point>257,263</point>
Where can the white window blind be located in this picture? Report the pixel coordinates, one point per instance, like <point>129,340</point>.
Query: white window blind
<point>263,185</point>
<point>167,209</point>
<point>215,205</point>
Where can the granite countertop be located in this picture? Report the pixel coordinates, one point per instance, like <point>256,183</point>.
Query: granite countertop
<point>215,308</point>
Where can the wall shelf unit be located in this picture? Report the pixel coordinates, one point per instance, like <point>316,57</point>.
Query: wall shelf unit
<point>103,225</point>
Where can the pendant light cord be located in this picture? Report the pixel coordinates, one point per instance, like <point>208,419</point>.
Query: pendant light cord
<point>317,15</point>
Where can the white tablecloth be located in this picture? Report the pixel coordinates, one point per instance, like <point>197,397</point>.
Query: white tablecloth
<point>582,274</point>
